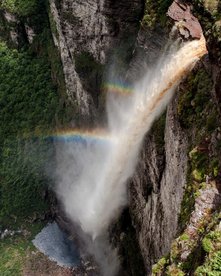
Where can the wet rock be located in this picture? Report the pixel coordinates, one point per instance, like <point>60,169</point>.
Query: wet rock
<point>54,243</point>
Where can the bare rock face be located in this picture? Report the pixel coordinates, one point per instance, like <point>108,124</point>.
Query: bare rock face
<point>90,28</point>
<point>188,25</point>
<point>14,30</point>
<point>155,214</point>
<point>74,87</point>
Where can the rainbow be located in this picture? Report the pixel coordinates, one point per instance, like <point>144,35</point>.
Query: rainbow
<point>118,88</point>
<point>76,135</point>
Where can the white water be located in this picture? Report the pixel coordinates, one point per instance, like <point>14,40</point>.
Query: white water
<point>93,176</point>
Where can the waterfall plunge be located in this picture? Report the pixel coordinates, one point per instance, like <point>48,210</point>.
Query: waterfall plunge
<point>93,175</point>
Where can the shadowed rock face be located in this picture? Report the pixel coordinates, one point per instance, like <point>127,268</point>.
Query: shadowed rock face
<point>155,213</point>
<point>187,24</point>
<point>91,28</point>
<point>157,189</point>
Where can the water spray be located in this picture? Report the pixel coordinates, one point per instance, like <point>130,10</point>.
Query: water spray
<point>94,169</point>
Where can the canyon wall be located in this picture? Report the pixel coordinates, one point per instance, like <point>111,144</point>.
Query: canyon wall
<point>90,37</point>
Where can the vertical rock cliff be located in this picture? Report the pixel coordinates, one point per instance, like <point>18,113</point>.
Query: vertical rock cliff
<point>180,158</point>
<point>166,176</point>
<point>85,33</point>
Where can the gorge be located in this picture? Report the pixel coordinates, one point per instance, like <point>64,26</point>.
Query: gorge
<point>87,47</point>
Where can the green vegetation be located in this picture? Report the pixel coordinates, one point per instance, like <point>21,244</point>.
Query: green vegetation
<point>158,129</point>
<point>32,103</point>
<point>155,13</point>
<point>212,246</point>
<point>200,166</point>
<point>188,201</point>
<point>209,14</point>
<point>198,115</point>
<point>173,270</point>
<point>210,6</point>
<point>20,7</point>
<point>163,268</point>
<point>207,245</point>
<point>30,79</point>
<point>159,267</point>
<point>184,237</point>
<point>195,100</point>
<point>14,250</point>
<point>28,104</point>
<point>23,179</point>
<point>28,99</point>
<point>212,267</point>
<point>204,253</point>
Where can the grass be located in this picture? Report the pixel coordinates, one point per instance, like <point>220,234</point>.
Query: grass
<point>14,250</point>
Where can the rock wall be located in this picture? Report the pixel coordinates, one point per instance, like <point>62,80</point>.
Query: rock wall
<point>155,213</point>
<point>158,193</point>
<point>91,34</point>
<point>90,29</point>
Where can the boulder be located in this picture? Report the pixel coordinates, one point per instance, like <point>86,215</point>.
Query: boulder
<point>187,24</point>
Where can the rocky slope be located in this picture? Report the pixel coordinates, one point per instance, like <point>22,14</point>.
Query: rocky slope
<point>182,152</point>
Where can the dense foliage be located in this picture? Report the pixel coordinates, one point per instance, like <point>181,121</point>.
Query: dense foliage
<point>21,7</point>
<point>155,13</point>
<point>26,91</point>
<point>28,103</point>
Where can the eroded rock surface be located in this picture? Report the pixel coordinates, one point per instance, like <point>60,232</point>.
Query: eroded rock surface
<point>90,29</point>
<point>187,24</point>
<point>156,215</point>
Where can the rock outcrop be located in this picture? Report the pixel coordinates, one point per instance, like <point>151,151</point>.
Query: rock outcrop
<point>187,24</point>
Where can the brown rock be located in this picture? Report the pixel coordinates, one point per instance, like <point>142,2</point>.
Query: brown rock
<point>187,24</point>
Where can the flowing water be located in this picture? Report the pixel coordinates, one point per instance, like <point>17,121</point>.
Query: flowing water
<point>95,166</point>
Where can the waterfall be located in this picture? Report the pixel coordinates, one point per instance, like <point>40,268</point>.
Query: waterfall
<point>94,168</point>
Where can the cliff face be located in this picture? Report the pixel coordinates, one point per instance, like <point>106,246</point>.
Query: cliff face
<point>163,210</point>
<point>91,29</point>
<point>157,193</point>
<point>85,33</point>
<point>163,175</point>
<point>87,36</point>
